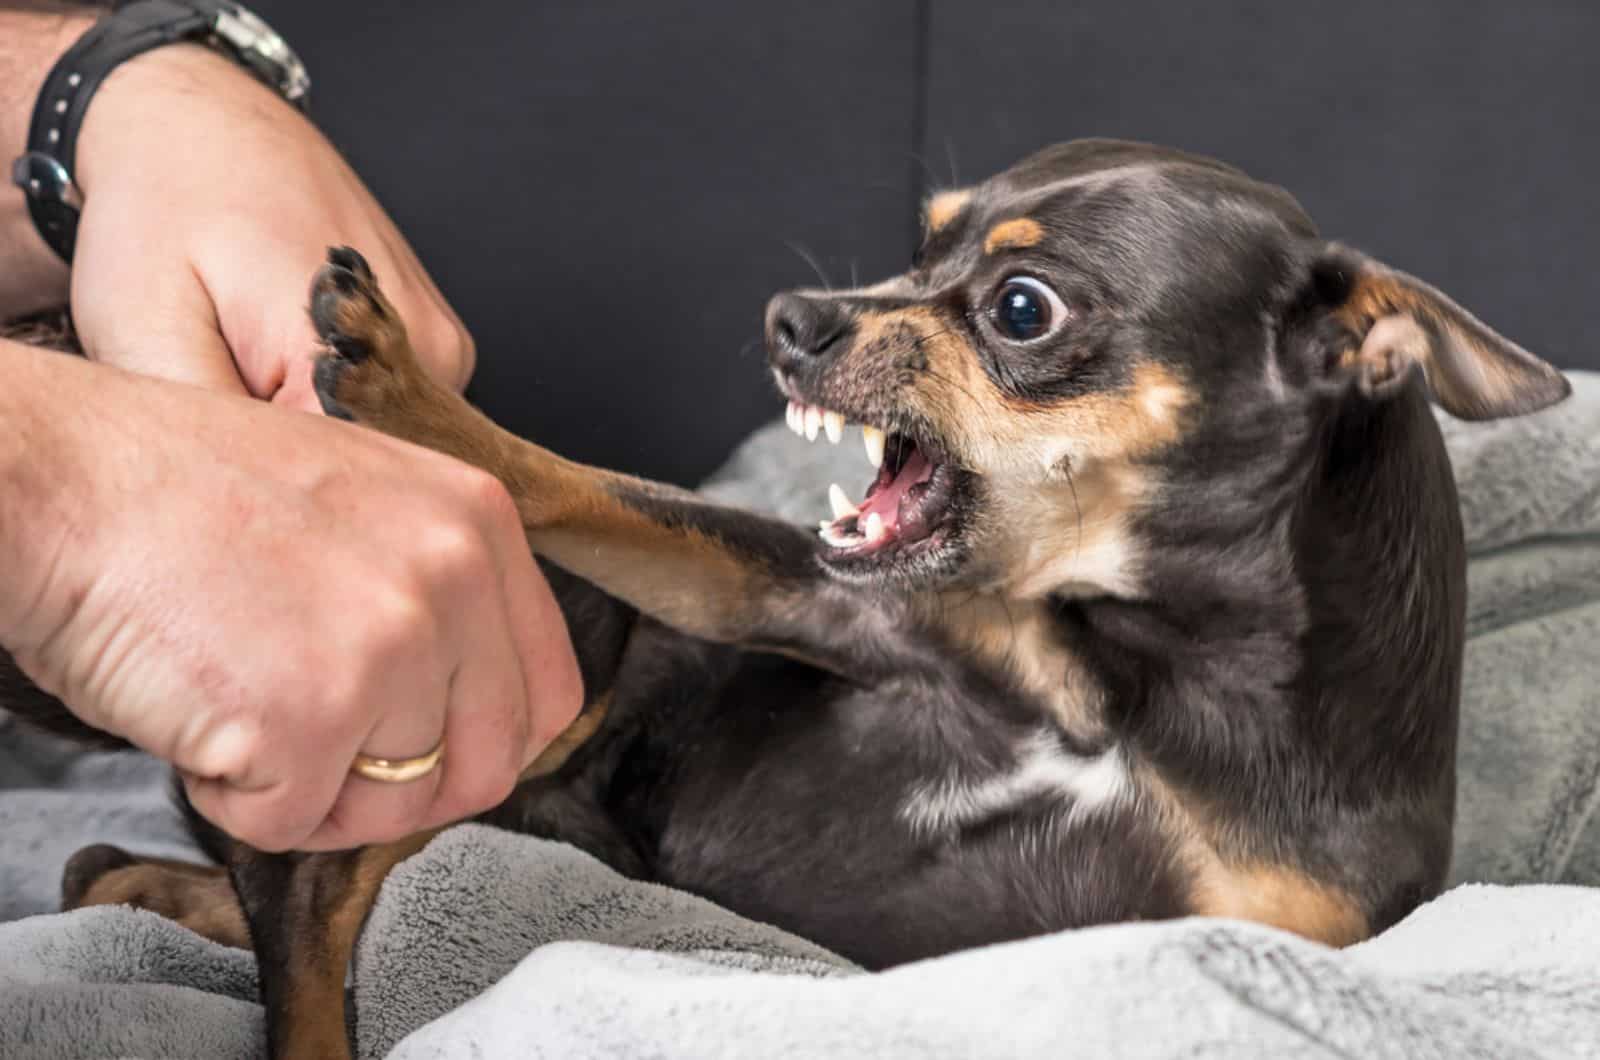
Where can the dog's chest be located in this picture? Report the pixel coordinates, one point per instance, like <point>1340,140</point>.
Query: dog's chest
<point>842,811</point>
<point>1008,723</point>
<point>1040,774</point>
<point>1022,649</point>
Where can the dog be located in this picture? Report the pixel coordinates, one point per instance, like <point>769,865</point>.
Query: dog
<point>1153,608</point>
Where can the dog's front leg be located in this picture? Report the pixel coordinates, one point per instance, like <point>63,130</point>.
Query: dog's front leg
<point>717,573</point>
<point>305,912</point>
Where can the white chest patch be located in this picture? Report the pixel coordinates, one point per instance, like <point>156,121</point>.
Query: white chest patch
<point>1042,768</point>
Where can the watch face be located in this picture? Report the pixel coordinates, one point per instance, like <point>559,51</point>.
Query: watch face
<point>266,53</point>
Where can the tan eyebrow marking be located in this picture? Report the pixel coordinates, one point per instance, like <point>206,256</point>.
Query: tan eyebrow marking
<point>1017,232</point>
<point>943,207</point>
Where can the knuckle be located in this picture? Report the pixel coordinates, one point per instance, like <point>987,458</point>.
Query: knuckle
<point>453,549</point>
<point>225,749</point>
<point>397,624</point>
<point>487,493</point>
<point>466,352</point>
<point>446,348</point>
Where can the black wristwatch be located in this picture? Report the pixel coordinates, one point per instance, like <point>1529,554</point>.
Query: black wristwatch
<point>44,172</point>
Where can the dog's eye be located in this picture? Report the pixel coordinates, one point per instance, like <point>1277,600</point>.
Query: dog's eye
<point>1025,309</point>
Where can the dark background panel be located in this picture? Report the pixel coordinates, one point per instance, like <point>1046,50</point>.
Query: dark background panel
<point>609,192</point>
<point>1457,139</point>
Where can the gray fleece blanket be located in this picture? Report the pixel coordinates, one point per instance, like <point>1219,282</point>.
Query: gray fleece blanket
<point>490,944</point>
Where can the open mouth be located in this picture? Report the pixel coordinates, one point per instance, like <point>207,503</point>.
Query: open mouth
<point>908,506</point>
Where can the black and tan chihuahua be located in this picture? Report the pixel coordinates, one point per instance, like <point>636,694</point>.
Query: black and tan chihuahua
<point>1154,607</point>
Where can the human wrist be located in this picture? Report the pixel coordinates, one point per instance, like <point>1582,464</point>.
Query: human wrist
<point>151,99</point>
<point>32,277</point>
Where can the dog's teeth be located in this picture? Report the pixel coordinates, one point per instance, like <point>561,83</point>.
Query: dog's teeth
<point>833,424</point>
<point>839,501</point>
<point>813,422</point>
<point>874,439</point>
<point>792,416</point>
<point>874,528</point>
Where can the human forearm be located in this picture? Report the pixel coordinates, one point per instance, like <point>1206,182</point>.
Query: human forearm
<point>41,392</point>
<point>32,37</point>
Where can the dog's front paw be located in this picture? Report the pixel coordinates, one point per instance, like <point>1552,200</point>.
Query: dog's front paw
<point>367,358</point>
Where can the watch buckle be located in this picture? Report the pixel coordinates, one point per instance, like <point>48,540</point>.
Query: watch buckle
<point>42,177</point>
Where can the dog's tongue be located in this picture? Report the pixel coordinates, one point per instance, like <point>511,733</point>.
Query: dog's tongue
<point>900,505</point>
<point>893,487</point>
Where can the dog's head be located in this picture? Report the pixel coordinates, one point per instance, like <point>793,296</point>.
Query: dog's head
<point>1077,335</point>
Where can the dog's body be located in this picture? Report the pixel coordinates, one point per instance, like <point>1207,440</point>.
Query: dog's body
<point>1154,609</point>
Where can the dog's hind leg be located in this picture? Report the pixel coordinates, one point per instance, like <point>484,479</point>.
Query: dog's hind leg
<point>715,573</point>
<point>200,897</point>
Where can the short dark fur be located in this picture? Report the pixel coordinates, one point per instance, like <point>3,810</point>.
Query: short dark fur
<point>1267,652</point>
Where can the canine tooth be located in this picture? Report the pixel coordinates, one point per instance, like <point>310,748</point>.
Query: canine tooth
<point>791,416</point>
<point>839,501</point>
<point>833,424</point>
<point>873,438</point>
<point>874,528</point>
<point>813,422</point>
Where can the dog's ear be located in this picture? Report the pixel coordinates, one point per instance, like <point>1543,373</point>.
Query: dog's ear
<point>1376,325</point>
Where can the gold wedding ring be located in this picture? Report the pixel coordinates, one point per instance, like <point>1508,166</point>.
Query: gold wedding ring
<point>397,770</point>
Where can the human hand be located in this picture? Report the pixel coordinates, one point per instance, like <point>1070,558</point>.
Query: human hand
<point>257,595</point>
<point>208,201</point>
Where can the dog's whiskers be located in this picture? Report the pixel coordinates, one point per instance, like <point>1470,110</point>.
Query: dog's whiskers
<point>816,266</point>
<point>1077,509</point>
<point>947,381</point>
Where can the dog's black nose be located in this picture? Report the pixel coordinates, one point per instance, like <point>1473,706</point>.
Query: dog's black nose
<point>802,329</point>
